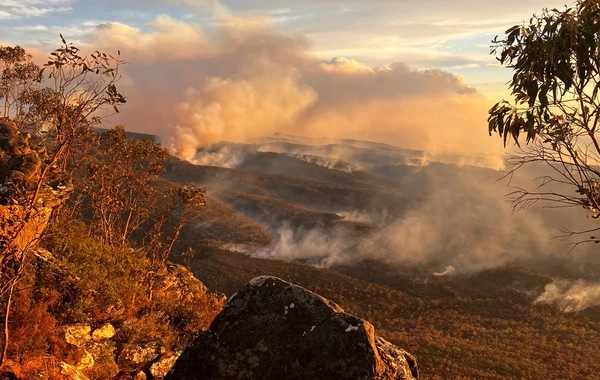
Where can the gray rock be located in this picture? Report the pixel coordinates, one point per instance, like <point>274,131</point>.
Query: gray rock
<point>272,329</point>
<point>132,355</point>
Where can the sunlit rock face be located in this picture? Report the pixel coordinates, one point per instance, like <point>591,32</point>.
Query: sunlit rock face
<point>23,177</point>
<point>272,329</point>
<point>101,348</point>
<point>17,235</point>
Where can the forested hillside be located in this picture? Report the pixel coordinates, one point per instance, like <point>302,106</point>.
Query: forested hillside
<point>114,253</point>
<point>483,326</point>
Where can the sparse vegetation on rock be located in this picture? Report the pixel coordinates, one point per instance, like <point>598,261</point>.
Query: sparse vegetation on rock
<point>84,293</point>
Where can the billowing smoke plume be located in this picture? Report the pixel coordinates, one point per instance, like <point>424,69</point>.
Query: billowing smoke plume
<point>458,221</point>
<point>261,93</point>
<point>325,162</point>
<point>571,295</point>
<point>224,156</point>
<point>448,270</point>
<point>314,247</point>
<point>356,216</point>
<point>242,79</point>
<point>464,221</point>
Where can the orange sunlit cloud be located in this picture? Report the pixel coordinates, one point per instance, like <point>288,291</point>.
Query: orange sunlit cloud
<point>249,80</point>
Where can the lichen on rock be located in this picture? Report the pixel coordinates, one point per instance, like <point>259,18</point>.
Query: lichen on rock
<point>272,329</point>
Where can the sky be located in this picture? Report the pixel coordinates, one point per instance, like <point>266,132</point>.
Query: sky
<point>413,73</point>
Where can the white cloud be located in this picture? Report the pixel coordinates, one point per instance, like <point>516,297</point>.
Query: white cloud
<point>344,65</point>
<point>169,40</point>
<point>30,28</point>
<point>16,9</point>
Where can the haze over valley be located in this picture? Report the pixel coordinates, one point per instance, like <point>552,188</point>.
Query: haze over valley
<point>351,200</point>
<point>379,217</point>
<point>350,147</point>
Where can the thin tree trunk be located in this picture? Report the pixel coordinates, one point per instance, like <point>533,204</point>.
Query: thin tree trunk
<point>6,327</point>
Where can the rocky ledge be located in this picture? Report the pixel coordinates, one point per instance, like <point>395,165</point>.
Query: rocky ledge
<point>272,329</point>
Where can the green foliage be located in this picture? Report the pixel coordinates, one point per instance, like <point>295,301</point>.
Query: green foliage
<point>147,328</point>
<point>41,121</point>
<point>116,187</point>
<point>97,282</point>
<point>18,79</point>
<point>104,367</point>
<point>62,107</point>
<point>87,281</point>
<point>555,60</point>
<point>99,63</point>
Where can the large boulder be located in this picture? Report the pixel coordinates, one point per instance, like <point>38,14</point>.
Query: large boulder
<point>272,329</point>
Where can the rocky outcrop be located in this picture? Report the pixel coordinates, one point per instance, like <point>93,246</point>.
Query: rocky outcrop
<point>101,352</point>
<point>23,178</point>
<point>103,332</point>
<point>179,282</point>
<point>93,347</point>
<point>71,372</point>
<point>272,329</point>
<point>160,367</point>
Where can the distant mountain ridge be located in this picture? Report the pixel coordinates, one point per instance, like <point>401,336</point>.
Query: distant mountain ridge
<point>385,232</point>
